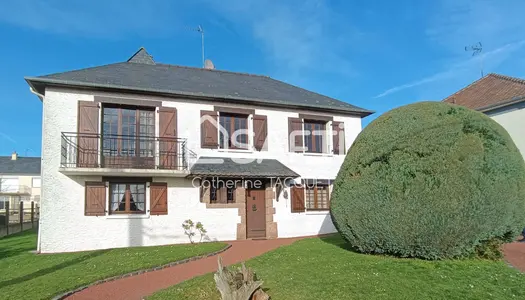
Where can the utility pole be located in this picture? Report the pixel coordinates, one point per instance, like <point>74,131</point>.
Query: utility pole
<point>476,49</point>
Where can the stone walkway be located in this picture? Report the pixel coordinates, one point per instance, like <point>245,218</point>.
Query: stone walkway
<point>137,287</point>
<point>515,255</point>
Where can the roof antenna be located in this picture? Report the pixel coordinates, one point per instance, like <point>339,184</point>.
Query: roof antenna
<point>476,49</point>
<point>27,150</point>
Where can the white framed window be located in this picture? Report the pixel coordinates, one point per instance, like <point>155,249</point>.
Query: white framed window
<point>127,198</point>
<point>9,184</point>
<point>3,201</point>
<point>310,134</point>
<point>37,182</point>
<point>314,136</point>
<point>230,124</point>
<point>318,197</point>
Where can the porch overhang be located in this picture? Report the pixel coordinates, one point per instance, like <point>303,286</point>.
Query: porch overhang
<point>241,168</point>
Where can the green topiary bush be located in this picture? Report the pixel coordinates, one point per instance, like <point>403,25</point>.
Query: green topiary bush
<point>430,180</point>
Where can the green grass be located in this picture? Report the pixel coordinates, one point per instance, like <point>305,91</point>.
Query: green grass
<point>321,268</point>
<point>24,275</point>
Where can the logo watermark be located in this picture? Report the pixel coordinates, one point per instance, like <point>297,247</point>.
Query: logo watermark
<point>216,182</point>
<point>297,139</point>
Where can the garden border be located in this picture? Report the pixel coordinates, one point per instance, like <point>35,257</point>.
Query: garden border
<point>134,273</point>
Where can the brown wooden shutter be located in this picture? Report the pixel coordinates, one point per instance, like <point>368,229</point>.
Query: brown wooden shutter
<point>338,137</point>
<point>297,199</point>
<point>168,146</point>
<point>209,130</point>
<point>260,131</point>
<point>95,202</point>
<point>158,192</point>
<point>293,125</point>
<point>87,152</point>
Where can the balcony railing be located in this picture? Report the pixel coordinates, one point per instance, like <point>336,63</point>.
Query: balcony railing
<point>84,150</point>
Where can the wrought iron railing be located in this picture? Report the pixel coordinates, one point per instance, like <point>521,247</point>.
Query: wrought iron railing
<point>85,150</point>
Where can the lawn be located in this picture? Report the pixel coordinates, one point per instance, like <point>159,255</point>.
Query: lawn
<point>321,268</point>
<point>32,276</point>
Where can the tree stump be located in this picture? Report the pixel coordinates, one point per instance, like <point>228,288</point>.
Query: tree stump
<point>240,284</point>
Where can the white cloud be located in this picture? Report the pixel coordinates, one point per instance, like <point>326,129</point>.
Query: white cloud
<point>95,18</point>
<point>8,138</point>
<point>458,23</point>
<point>489,59</point>
<point>455,24</point>
<point>298,36</point>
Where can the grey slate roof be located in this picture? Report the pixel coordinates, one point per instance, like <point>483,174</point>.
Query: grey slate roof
<point>142,57</point>
<point>20,166</point>
<point>142,74</point>
<point>226,167</point>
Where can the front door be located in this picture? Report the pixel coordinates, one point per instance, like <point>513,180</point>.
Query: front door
<point>255,214</point>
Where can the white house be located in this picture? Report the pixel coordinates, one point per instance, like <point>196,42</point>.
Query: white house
<point>19,182</point>
<point>133,149</point>
<point>500,97</point>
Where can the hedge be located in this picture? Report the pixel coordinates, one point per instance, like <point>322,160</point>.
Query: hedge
<point>430,180</point>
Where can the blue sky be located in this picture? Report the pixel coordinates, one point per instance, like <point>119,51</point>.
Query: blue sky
<point>374,54</point>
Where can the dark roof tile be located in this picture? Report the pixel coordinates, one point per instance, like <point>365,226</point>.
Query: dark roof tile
<point>20,166</point>
<point>139,75</point>
<point>142,57</point>
<point>241,167</point>
<point>490,91</point>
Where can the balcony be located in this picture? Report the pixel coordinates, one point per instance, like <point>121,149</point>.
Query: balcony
<point>119,155</point>
<point>14,189</point>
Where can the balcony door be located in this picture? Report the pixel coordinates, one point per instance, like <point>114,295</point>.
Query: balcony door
<point>128,137</point>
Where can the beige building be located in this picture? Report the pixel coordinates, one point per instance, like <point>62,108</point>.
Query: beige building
<point>500,97</point>
<point>19,181</point>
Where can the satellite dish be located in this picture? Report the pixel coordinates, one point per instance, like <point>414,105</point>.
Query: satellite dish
<point>208,64</point>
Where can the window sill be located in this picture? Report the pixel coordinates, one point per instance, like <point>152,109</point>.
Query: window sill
<point>318,212</point>
<point>130,216</point>
<point>236,150</point>
<point>224,205</point>
<point>318,154</point>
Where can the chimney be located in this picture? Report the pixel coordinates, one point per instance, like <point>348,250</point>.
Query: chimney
<point>208,64</point>
<point>14,155</point>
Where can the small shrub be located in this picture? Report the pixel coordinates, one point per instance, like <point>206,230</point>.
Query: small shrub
<point>189,229</point>
<point>490,249</point>
<point>430,180</point>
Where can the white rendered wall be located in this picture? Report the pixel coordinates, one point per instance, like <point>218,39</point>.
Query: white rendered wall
<point>512,118</point>
<point>63,226</point>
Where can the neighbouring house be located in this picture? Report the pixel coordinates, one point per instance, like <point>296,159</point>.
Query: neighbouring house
<point>19,181</point>
<point>133,149</point>
<point>500,97</point>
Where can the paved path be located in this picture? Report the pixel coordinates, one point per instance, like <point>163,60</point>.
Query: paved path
<point>515,255</point>
<point>137,287</point>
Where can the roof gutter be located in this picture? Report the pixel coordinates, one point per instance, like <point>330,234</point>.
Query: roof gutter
<point>512,101</point>
<point>109,87</point>
<point>36,93</point>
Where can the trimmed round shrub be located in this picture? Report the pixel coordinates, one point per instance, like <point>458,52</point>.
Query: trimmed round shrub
<point>430,180</point>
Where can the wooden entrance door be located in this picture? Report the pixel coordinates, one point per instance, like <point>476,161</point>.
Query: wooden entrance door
<point>255,214</point>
